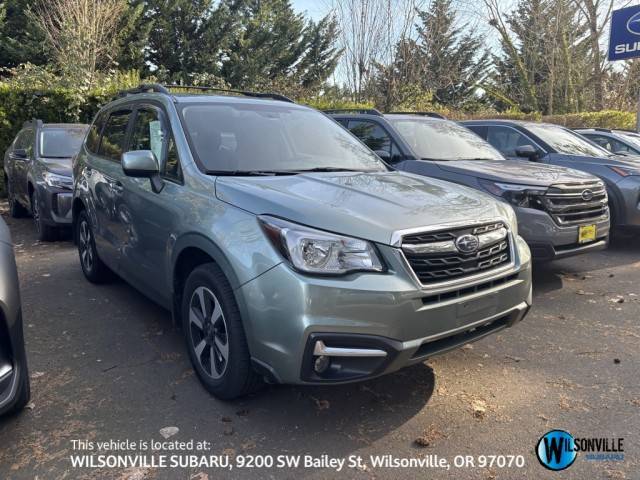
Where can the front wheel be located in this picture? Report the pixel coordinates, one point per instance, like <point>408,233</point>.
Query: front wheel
<point>15,209</point>
<point>215,336</point>
<point>46,233</point>
<point>93,268</point>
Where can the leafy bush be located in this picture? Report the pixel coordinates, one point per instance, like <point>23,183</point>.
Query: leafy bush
<point>604,119</point>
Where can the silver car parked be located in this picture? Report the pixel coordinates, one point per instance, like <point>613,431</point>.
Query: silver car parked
<point>14,375</point>
<point>285,248</point>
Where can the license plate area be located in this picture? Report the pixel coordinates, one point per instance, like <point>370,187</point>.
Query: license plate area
<point>587,233</point>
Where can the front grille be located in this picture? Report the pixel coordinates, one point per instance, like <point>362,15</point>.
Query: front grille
<point>575,203</point>
<point>436,256</point>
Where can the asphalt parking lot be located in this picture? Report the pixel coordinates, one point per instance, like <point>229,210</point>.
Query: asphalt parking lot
<point>106,364</point>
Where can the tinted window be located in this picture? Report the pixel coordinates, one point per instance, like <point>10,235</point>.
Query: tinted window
<point>372,134</point>
<point>507,140</point>
<point>61,142</point>
<point>443,140</point>
<point>566,141</point>
<point>24,139</point>
<point>268,137</point>
<point>600,140</point>
<point>150,133</point>
<point>93,137</point>
<point>113,136</point>
<point>632,139</point>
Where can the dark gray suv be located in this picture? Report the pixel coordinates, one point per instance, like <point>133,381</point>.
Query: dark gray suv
<point>554,215</point>
<point>284,247</point>
<point>37,174</point>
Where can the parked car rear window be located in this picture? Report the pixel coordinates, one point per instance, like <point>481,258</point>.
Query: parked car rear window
<point>114,134</point>
<point>61,142</point>
<point>565,141</point>
<point>250,137</point>
<point>442,140</point>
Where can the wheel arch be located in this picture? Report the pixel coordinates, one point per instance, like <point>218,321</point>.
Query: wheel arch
<point>189,252</point>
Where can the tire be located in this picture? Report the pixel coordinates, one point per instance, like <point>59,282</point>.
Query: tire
<point>216,341</point>
<point>24,393</point>
<point>46,233</point>
<point>15,209</point>
<point>93,268</point>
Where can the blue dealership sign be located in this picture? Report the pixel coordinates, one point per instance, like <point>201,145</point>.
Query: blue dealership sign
<point>624,41</point>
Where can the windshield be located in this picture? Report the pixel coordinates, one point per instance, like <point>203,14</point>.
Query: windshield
<point>631,138</point>
<point>442,140</point>
<point>61,142</point>
<point>241,138</point>
<point>566,141</point>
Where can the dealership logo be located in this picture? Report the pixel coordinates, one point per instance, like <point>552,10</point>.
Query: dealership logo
<point>556,450</point>
<point>633,24</point>
<point>467,243</point>
<point>587,195</point>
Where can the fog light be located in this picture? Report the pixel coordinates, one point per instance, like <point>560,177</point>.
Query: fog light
<point>321,364</point>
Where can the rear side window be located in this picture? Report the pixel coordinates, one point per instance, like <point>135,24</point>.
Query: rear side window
<point>114,135</point>
<point>93,137</point>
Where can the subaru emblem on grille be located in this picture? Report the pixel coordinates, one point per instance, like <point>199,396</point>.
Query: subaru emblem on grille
<point>467,243</point>
<point>587,195</point>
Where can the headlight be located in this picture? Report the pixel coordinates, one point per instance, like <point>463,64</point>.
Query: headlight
<point>626,171</point>
<point>512,218</point>
<point>57,181</point>
<point>315,251</point>
<point>518,195</point>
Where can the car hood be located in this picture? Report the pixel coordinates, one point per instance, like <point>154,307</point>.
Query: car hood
<point>366,205</point>
<point>59,166</point>
<point>521,172</point>
<point>614,160</point>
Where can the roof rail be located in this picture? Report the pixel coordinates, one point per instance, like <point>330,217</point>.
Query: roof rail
<point>165,89</point>
<point>424,114</point>
<point>365,111</point>
<point>34,121</point>
<point>144,88</point>
<point>273,96</point>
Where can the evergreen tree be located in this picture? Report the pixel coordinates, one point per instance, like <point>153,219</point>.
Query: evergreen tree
<point>135,28</point>
<point>20,39</point>
<point>454,62</point>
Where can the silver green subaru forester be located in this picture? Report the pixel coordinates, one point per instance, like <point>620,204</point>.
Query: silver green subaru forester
<point>286,249</point>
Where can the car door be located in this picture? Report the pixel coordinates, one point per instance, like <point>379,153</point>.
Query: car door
<point>149,219</point>
<point>104,174</point>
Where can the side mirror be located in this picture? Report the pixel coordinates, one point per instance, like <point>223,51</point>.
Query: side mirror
<point>527,151</point>
<point>143,164</point>
<point>20,153</point>
<point>384,155</point>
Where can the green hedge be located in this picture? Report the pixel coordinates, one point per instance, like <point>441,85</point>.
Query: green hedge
<point>603,119</point>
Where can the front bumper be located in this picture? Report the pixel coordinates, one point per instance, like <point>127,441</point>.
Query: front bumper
<point>55,205</point>
<point>628,199</point>
<point>550,241</point>
<point>286,313</point>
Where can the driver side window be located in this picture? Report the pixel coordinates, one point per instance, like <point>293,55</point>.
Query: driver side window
<point>150,133</point>
<point>506,140</point>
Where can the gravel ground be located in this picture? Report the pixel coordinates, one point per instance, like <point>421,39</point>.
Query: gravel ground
<point>106,364</point>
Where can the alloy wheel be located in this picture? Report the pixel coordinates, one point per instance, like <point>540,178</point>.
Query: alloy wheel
<point>85,245</point>
<point>208,332</point>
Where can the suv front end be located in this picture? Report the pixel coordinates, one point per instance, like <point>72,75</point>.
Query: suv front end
<point>421,297</point>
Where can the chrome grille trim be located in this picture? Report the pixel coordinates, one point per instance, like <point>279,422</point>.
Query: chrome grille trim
<point>440,261</point>
<point>567,205</point>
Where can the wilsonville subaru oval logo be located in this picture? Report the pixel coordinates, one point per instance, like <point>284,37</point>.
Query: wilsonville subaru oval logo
<point>556,450</point>
<point>633,24</point>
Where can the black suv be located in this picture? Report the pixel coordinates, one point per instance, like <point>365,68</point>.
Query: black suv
<point>37,173</point>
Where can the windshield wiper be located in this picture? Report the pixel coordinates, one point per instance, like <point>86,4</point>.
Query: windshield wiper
<point>330,169</point>
<point>248,173</point>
